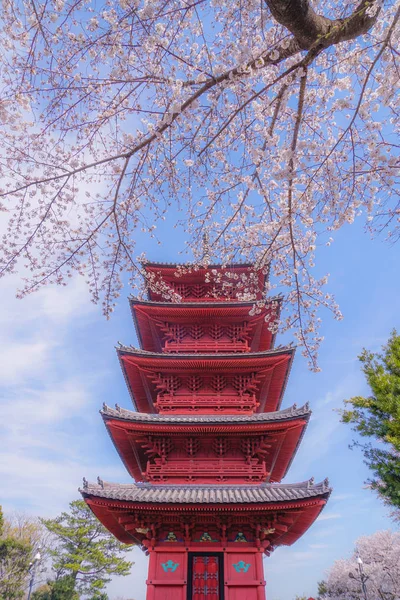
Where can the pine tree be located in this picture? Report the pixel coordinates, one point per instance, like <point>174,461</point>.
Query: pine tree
<point>85,551</point>
<point>59,589</point>
<point>378,417</point>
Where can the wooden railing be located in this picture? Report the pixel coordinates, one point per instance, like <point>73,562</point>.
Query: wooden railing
<point>206,404</point>
<point>189,345</point>
<point>205,468</point>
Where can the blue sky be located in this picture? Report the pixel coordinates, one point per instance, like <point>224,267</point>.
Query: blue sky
<point>58,365</point>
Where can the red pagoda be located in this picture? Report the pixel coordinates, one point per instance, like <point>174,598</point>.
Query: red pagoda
<point>207,443</point>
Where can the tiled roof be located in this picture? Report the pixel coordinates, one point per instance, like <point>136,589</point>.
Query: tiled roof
<point>236,265</point>
<point>211,304</point>
<point>279,415</point>
<point>206,494</point>
<point>271,366</point>
<point>145,312</point>
<point>288,349</point>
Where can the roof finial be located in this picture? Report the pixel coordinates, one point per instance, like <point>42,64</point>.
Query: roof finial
<point>100,482</point>
<point>206,248</point>
<point>85,483</point>
<point>117,408</point>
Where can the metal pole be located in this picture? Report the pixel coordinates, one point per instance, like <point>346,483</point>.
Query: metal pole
<point>362,577</point>
<point>31,581</point>
<point>34,564</point>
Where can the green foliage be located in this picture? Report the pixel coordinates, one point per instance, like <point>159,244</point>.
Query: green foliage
<point>322,589</point>
<point>60,589</point>
<point>378,417</point>
<point>15,556</point>
<point>86,551</point>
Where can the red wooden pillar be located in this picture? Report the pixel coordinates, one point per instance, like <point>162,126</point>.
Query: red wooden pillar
<point>244,574</point>
<point>167,576</point>
<point>240,571</point>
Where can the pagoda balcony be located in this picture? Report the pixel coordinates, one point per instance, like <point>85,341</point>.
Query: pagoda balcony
<point>205,470</point>
<point>206,404</point>
<point>205,346</point>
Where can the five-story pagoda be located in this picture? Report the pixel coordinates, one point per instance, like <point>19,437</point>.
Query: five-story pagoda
<point>207,443</point>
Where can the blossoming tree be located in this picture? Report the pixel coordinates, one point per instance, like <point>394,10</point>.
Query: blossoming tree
<point>267,124</point>
<point>380,554</point>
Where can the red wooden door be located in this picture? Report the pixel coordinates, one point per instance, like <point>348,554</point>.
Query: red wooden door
<point>205,578</point>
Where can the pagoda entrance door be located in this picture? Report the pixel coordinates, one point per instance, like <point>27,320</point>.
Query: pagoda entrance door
<point>206,580</point>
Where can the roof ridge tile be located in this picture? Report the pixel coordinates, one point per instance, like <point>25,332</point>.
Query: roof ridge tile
<point>125,414</point>
<point>207,494</point>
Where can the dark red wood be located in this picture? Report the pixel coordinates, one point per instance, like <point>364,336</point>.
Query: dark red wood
<point>234,383</point>
<point>220,284</point>
<point>203,519</point>
<point>166,327</point>
<point>190,453</point>
<point>282,523</point>
<point>205,578</point>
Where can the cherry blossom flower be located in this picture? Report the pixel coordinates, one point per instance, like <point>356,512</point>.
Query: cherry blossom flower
<point>270,128</point>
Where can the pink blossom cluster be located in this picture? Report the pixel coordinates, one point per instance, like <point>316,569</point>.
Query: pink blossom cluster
<point>117,115</point>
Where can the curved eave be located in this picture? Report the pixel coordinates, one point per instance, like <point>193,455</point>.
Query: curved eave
<point>126,415</point>
<point>112,506</point>
<point>173,266</point>
<point>286,432</point>
<point>272,367</point>
<point>145,313</point>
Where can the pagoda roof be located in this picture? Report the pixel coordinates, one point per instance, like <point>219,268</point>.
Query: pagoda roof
<point>123,414</point>
<point>146,312</point>
<point>187,273</point>
<point>272,368</point>
<point>130,510</point>
<point>173,265</point>
<point>209,304</point>
<point>207,494</point>
<point>285,429</point>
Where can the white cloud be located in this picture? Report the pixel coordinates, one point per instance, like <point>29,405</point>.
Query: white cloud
<point>21,360</point>
<point>325,429</point>
<point>325,516</point>
<point>340,497</point>
<point>301,556</point>
<point>44,484</point>
<point>44,405</point>
<point>46,398</point>
<point>326,532</point>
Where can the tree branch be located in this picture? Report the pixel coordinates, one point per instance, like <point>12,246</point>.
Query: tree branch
<point>310,28</point>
